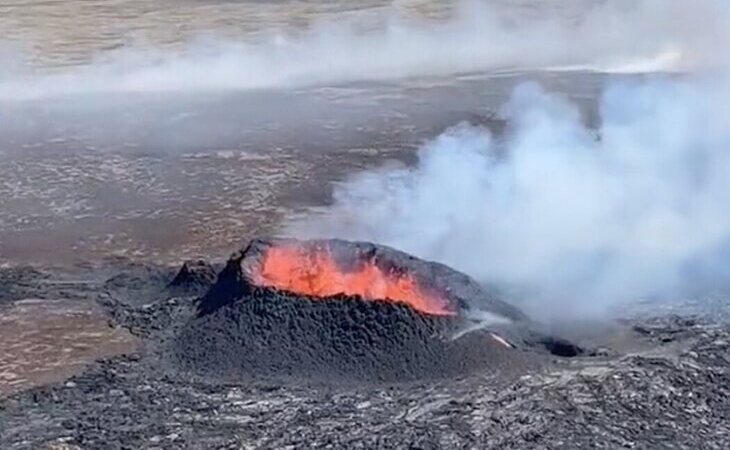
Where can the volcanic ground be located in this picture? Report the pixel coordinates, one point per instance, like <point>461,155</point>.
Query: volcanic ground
<point>109,344</point>
<point>217,358</point>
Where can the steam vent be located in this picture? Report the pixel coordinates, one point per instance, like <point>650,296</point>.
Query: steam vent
<point>339,310</point>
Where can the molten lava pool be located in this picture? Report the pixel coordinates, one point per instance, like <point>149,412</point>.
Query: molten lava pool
<point>316,274</point>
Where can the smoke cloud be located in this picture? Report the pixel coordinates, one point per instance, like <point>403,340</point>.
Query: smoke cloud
<point>575,216</point>
<point>627,36</point>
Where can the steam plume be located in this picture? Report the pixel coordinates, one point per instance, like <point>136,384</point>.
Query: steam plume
<point>578,216</point>
<point>632,36</point>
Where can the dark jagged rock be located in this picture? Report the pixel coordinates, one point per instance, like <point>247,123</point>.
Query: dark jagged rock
<point>269,333</point>
<point>666,385</point>
<point>663,398</point>
<point>195,275</point>
<point>19,282</point>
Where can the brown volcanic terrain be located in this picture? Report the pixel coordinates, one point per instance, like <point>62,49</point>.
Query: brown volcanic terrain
<point>71,32</point>
<point>45,341</point>
<point>165,178</point>
<point>56,33</point>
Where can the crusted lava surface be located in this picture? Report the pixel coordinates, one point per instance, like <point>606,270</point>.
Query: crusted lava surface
<point>274,333</point>
<point>459,291</point>
<point>659,379</point>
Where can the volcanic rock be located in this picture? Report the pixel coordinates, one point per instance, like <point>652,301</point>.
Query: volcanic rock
<point>663,383</point>
<point>246,328</point>
<point>269,333</point>
<point>194,275</point>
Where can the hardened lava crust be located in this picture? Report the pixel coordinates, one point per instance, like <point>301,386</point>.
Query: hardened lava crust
<point>658,379</point>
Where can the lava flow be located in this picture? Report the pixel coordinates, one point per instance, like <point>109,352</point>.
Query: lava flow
<point>316,274</point>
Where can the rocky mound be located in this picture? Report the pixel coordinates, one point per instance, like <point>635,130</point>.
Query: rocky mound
<point>245,327</point>
<point>194,275</point>
<point>269,333</point>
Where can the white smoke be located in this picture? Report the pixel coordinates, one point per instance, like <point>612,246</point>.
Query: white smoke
<point>645,35</point>
<point>580,217</point>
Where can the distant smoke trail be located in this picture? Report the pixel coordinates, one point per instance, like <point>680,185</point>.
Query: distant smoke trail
<point>645,35</point>
<point>576,216</point>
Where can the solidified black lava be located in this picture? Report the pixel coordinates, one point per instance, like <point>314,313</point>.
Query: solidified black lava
<point>194,275</point>
<point>270,333</point>
<point>244,329</point>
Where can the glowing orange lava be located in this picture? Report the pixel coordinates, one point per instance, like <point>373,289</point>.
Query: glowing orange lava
<point>315,273</point>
